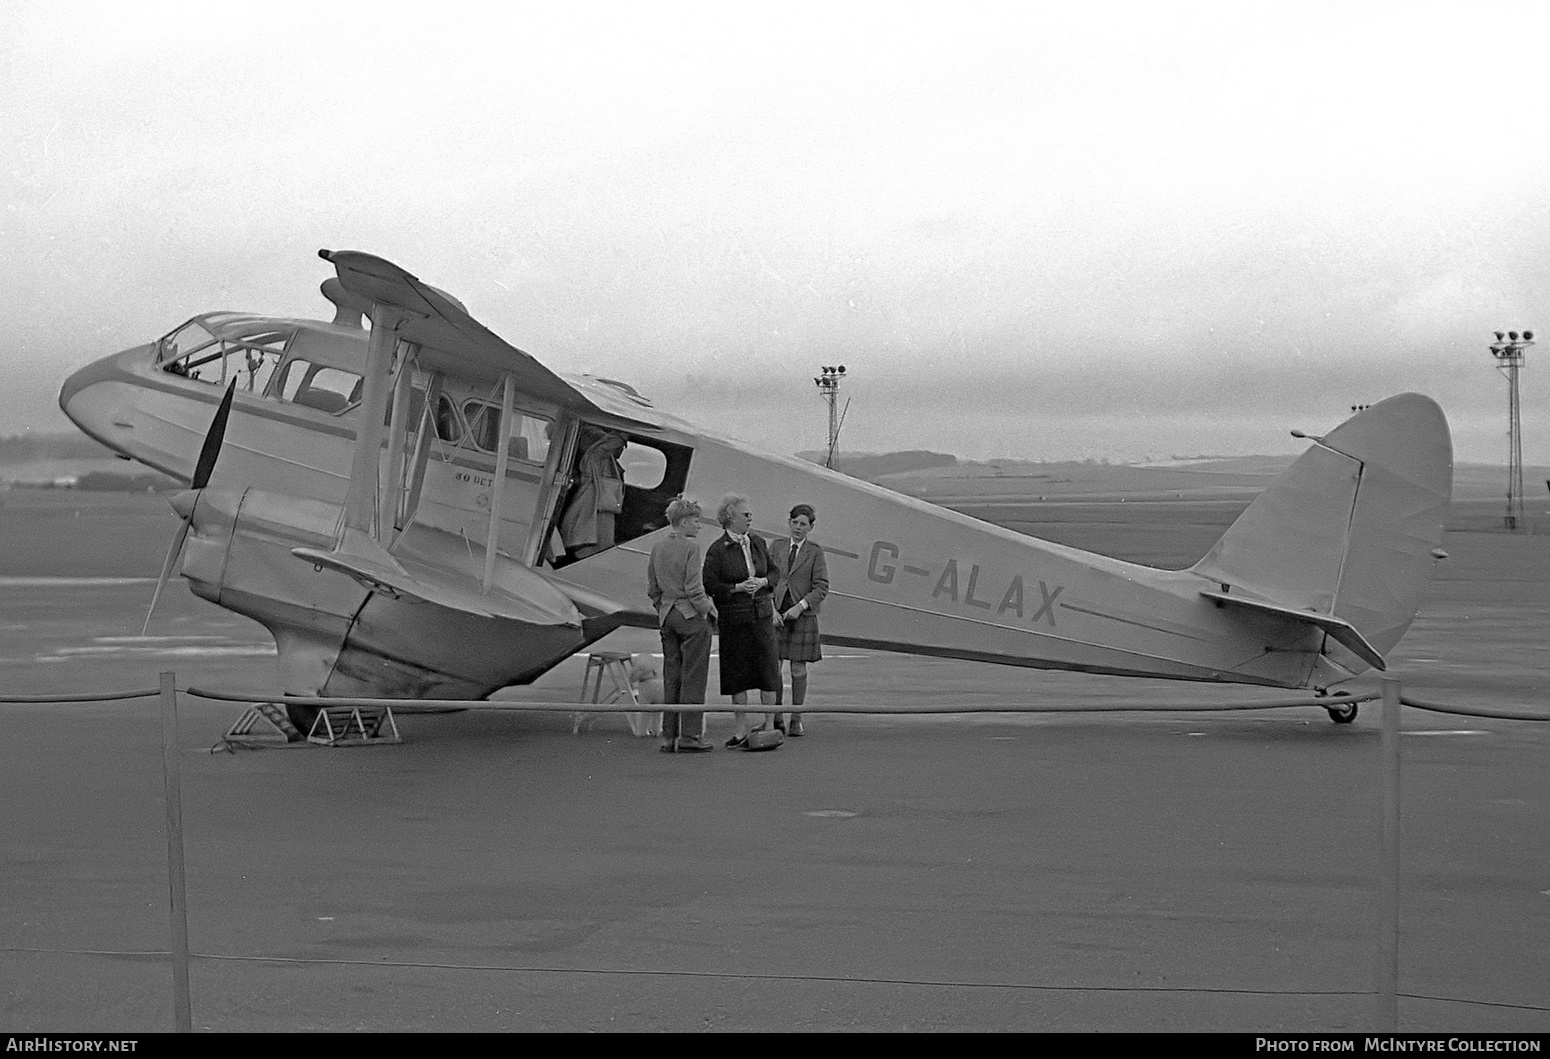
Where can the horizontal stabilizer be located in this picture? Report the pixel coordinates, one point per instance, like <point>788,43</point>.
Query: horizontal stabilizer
<point>1343,631</point>
<point>388,577</point>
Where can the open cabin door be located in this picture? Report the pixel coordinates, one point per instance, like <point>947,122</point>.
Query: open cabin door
<point>591,514</point>
<point>552,490</point>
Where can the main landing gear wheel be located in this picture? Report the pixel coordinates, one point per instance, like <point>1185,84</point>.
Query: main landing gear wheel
<point>1344,713</point>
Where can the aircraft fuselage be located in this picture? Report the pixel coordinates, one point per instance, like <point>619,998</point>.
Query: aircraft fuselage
<point>905,575</point>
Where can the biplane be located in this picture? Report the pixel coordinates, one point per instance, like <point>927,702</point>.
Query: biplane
<point>384,492</point>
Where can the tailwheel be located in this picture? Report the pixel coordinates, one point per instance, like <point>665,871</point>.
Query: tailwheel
<point>1344,713</point>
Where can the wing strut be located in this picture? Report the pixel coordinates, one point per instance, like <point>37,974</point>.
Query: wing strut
<point>360,506</point>
<point>422,452</point>
<point>498,493</point>
<point>359,536</point>
<point>387,518</point>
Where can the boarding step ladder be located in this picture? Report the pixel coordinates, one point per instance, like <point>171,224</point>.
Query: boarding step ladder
<point>354,726</point>
<point>619,666</point>
<point>262,724</point>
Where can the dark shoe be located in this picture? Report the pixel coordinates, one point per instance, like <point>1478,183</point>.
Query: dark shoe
<point>670,747</point>
<point>737,741</point>
<point>694,746</point>
<point>780,722</point>
<point>794,726</point>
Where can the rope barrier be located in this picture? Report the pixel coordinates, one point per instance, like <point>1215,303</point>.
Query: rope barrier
<point>810,708</point>
<point>105,696</point>
<point>922,709</point>
<point>1473,711</point>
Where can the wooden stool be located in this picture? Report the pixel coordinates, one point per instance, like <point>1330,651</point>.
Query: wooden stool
<point>619,666</point>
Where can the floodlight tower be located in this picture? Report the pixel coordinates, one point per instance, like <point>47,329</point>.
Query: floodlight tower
<point>1508,351</point>
<point>828,383</point>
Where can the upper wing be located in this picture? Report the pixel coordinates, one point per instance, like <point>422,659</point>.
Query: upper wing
<point>452,341</point>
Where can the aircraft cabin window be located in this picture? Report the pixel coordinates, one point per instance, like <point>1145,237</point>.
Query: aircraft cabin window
<point>644,467</point>
<point>415,412</point>
<point>530,434</point>
<point>483,424</point>
<point>449,427</point>
<point>330,390</point>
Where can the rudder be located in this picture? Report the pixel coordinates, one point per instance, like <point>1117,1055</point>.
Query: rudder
<point>1349,530</point>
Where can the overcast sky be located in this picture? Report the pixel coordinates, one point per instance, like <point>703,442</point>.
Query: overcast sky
<point>1049,231</point>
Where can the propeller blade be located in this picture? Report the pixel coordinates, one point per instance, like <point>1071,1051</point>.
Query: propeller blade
<point>203,468</point>
<point>166,567</point>
<point>213,438</point>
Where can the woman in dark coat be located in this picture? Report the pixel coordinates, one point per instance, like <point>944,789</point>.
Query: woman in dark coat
<point>740,579</point>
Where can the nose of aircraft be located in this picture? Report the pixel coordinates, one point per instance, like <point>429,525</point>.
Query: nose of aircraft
<point>87,399</point>
<point>107,401</point>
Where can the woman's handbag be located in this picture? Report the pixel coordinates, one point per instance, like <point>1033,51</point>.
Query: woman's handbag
<point>610,495</point>
<point>764,739</point>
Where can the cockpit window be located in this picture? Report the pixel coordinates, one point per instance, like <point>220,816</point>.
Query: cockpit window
<point>259,356</point>
<point>187,339</point>
<point>331,390</point>
<point>193,352</point>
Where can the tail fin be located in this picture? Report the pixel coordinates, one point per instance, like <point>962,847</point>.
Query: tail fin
<point>1344,539</point>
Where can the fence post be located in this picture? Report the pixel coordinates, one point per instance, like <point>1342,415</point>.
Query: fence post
<point>1388,869</point>
<point>181,1008</point>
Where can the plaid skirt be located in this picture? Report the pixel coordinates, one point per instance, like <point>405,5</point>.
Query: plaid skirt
<point>799,640</point>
